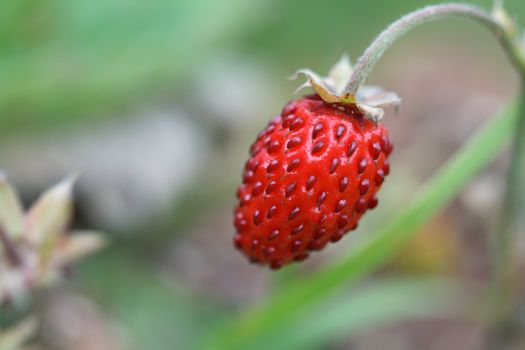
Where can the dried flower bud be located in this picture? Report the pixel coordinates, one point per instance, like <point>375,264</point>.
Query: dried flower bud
<point>35,249</point>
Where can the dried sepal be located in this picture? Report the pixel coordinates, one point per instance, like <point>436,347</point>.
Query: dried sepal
<point>339,74</point>
<point>370,100</point>
<point>372,113</point>
<point>322,87</point>
<point>376,96</point>
<point>11,212</point>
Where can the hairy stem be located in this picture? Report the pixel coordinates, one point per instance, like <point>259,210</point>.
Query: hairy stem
<point>508,226</point>
<point>427,14</point>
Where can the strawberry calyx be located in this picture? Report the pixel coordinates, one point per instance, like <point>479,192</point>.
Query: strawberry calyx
<point>369,100</point>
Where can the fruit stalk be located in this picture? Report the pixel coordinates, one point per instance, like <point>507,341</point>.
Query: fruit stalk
<point>427,14</point>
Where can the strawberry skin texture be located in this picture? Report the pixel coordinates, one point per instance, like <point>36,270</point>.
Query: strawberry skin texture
<point>312,173</point>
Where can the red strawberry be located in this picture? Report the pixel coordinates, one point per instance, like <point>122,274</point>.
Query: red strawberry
<point>312,173</point>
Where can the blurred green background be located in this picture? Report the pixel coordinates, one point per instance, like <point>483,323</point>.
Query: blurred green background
<point>156,103</point>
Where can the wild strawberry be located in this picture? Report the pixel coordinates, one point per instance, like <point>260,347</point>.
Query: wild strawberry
<point>312,173</point>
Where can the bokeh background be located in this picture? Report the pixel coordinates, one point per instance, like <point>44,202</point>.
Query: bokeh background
<point>156,103</point>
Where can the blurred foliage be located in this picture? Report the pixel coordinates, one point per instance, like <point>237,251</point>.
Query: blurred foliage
<point>71,61</point>
<point>434,250</point>
<point>156,314</point>
<point>375,305</point>
<point>64,61</point>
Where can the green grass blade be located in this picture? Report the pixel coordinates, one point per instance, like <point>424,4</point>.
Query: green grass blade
<point>376,305</point>
<point>368,254</point>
